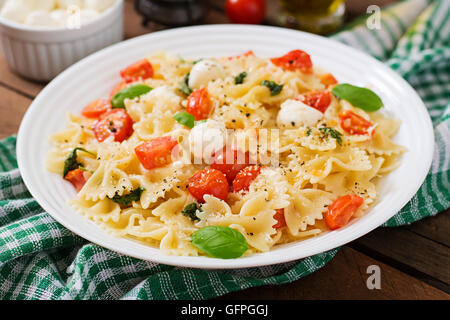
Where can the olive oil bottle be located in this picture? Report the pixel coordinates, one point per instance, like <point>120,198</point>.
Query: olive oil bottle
<point>317,16</point>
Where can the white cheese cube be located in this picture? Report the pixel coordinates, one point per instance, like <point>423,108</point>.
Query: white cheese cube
<point>294,113</point>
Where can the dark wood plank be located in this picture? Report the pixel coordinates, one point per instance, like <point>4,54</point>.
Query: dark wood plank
<point>435,228</point>
<point>417,255</point>
<point>345,278</point>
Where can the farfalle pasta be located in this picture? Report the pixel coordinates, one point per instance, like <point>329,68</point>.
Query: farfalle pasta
<point>226,156</point>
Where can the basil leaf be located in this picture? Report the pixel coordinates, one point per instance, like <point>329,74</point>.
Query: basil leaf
<point>239,79</point>
<point>71,162</point>
<point>185,118</point>
<point>362,98</point>
<point>190,211</point>
<point>118,101</point>
<point>220,242</point>
<point>125,200</point>
<point>275,88</point>
<point>332,133</point>
<point>184,86</point>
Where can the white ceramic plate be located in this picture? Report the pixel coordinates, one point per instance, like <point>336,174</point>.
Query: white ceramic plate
<point>94,76</point>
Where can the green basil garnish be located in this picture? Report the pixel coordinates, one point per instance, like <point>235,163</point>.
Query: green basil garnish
<point>125,200</point>
<point>332,133</point>
<point>274,87</point>
<point>239,79</point>
<point>220,242</point>
<point>71,162</point>
<point>362,98</point>
<point>190,211</point>
<point>185,118</point>
<point>118,101</point>
<point>184,86</point>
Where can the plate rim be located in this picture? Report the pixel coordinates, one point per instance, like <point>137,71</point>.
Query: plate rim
<point>206,262</point>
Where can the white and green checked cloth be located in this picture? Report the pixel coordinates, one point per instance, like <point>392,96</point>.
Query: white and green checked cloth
<point>40,259</point>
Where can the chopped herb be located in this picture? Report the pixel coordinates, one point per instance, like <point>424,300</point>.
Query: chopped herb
<point>71,162</point>
<point>185,118</point>
<point>308,132</point>
<point>190,211</point>
<point>184,87</point>
<point>125,200</point>
<point>332,133</point>
<point>239,79</point>
<point>197,61</point>
<point>275,88</point>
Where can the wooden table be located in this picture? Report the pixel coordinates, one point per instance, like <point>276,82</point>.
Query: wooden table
<point>414,260</point>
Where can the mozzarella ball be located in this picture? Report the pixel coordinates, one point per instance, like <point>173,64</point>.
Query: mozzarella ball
<point>205,139</point>
<point>15,11</point>
<point>45,5</point>
<point>40,18</point>
<point>98,5</point>
<point>64,4</point>
<point>203,72</point>
<point>60,17</point>
<point>294,113</point>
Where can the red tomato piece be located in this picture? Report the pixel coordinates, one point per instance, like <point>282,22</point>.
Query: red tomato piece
<point>294,60</point>
<point>245,177</point>
<point>208,181</point>
<point>230,162</point>
<point>246,11</point>
<point>319,100</point>
<point>328,80</point>
<point>340,211</point>
<point>156,153</point>
<point>76,178</point>
<point>96,108</point>
<point>279,216</point>
<point>352,123</point>
<point>117,123</point>
<point>140,70</point>
<point>119,87</point>
<point>199,104</point>
<point>245,54</point>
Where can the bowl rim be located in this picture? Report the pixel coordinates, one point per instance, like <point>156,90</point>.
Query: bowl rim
<point>244,262</point>
<point>57,30</point>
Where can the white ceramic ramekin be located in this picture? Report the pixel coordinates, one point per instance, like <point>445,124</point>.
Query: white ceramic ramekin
<point>41,53</point>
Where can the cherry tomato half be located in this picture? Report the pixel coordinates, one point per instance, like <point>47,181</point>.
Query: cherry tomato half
<point>340,211</point>
<point>245,177</point>
<point>281,221</point>
<point>230,162</point>
<point>208,181</point>
<point>246,11</point>
<point>96,108</point>
<point>199,104</point>
<point>352,123</point>
<point>156,152</point>
<point>76,178</point>
<point>319,100</point>
<point>328,80</point>
<point>294,60</point>
<point>140,70</point>
<point>116,122</point>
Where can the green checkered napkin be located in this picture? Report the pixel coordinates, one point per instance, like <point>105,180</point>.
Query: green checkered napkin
<point>40,259</point>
